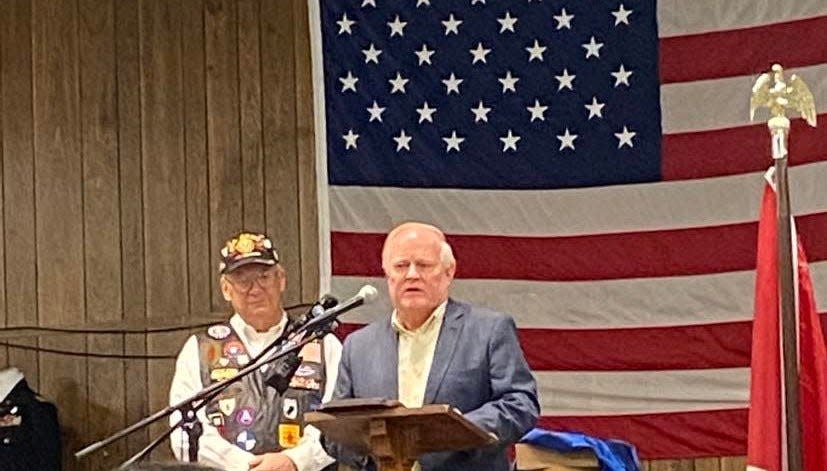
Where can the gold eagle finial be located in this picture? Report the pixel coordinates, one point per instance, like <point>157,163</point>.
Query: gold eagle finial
<point>772,91</point>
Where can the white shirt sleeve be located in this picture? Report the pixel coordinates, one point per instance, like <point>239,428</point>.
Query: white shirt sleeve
<point>308,454</point>
<point>213,449</point>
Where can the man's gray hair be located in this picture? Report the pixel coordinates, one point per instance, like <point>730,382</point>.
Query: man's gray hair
<point>446,254</point>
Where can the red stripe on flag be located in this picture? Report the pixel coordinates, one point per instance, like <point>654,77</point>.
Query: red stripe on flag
<point>736,150</point>
<point>693,251</point>
<point>723,345</point>
<point>753,50</point>
<point>668,435</point>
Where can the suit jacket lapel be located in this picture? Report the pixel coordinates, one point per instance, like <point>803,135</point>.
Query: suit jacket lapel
<point>445,347</point>
<point>389,351</point>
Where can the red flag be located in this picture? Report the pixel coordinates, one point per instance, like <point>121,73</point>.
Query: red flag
<point>766,439</point>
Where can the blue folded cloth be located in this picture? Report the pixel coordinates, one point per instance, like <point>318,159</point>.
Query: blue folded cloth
<point>613,455</point>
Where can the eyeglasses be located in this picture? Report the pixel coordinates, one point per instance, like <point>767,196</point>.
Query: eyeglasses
<point>265,279</point>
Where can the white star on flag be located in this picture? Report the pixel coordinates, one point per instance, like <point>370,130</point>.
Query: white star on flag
<point>349,82</point>
<point>426,113</point>
<point>427,3</point>
<point>510,141</point>
<point>507,22</point>
<point>479,54</point>
<point>344,24</point>
<point>371,54</point>
<point>509,82</point>
<point>368,2</point>
<point>424,54</point>
<point>398,83</point>
<point>350,139</point>
<point>536,51</point>
<point>375,112</point>
<point>595,108</point>
<point>625,137</point>
<point>452,84</point>
<point>622,76</point>
<point>622,15</point>
<point>537,111</point>
<point>566,80</point>
<point>567,140</point>
<point>592,48</point>
<point>452,142</point>
<point>451,25</point>
<point>480,112</point>
<point>403,141</point>
<point>563,19</point>
<point>397,27</point>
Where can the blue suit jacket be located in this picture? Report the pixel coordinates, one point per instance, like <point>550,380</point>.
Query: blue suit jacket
<point>478,367</point>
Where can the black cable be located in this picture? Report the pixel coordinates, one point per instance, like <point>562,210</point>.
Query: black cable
<point>146,330</point>
<point>114,356</point>
<point>88,355</point>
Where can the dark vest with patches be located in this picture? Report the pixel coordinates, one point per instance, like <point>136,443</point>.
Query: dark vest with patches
<point>249,413</point>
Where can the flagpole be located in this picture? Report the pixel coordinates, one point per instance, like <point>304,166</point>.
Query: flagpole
<point>779,129</point>
<point>772,91</point>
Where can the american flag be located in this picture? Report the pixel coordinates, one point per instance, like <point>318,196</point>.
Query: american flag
<point>594,168</point>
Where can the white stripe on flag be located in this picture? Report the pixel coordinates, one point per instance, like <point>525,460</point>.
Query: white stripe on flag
<point>684,17</point>
<point>566,393</point>
<point>613,209</point>
<point>673,301</point>
<point>687,106</point>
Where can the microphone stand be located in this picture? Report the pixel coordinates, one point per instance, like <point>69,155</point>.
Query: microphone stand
<point>189,407</point>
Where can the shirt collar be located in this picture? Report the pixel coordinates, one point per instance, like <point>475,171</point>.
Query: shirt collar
<point>433,319</point>
<point>249,332</point>
<point>8,380</point>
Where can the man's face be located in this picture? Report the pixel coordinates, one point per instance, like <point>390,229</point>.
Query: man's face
<point>418,281</point>
<point>255,292</point>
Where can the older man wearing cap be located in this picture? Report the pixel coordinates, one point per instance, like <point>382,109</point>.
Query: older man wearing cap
<point>250,426</point>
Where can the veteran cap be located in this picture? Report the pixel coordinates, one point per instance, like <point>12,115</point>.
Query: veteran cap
<point>246,248</point>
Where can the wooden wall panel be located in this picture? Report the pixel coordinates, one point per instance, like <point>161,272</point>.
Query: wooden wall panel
<point>249,79</point>
<point>164,197</point>
<point>128,72</point>
<point>3,350</point>
<point>279,125</point>
<point>19,236</point>
<point>59,210</point>
<point>200,250</point>
<point>101,220</point>
<point>305,155</point>
<point>733,463</point>
<point>225,179</point>
<point>707,464</point>
<point>162,127</point>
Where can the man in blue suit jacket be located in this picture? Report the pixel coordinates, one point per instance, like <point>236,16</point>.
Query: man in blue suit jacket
<point>434,350</point>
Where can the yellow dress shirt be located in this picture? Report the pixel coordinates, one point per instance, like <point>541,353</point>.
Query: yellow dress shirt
<point>416,353</point>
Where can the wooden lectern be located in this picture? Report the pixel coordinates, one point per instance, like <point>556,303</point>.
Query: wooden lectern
<point>394,434</point>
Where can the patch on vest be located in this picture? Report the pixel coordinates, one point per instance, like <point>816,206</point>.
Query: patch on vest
<point>220,374</point>
<point>289,435</point>
<point>246,440</point>
<point>246,416</point>
<point>290,408</point>
<point>218,331</point>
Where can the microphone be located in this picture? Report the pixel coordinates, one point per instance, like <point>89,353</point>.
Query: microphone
<point>319,318</point>
<point>296,321</point>
<point>283,370</point>
<point>366,294</point>
<point>328,301</point>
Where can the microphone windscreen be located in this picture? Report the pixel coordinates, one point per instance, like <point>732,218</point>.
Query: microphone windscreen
<point>328,301</point>
<point>368,293</point>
